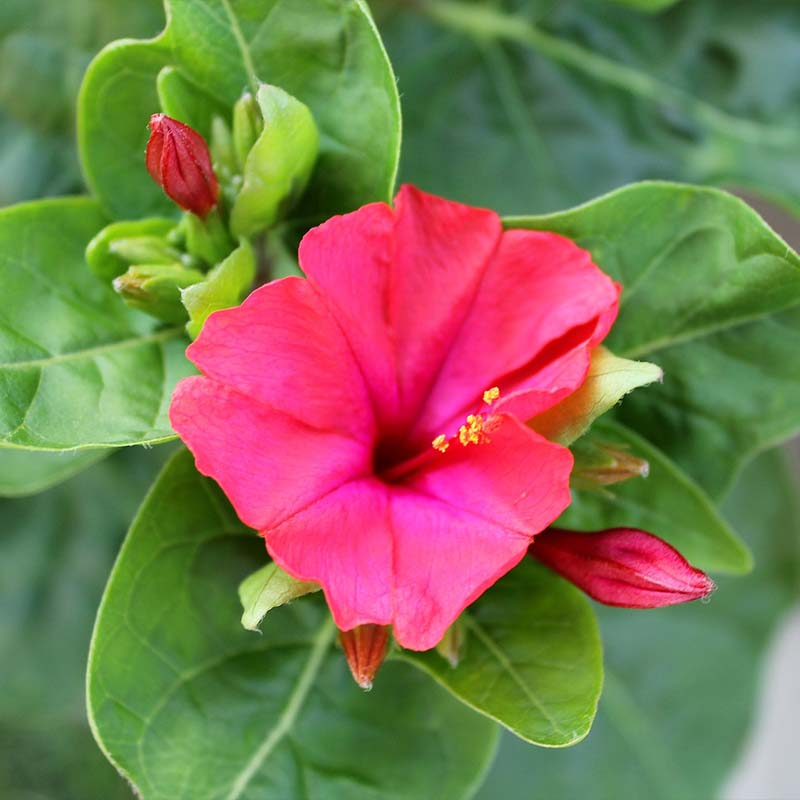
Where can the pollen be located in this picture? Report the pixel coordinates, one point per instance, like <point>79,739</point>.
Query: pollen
<point>472,431</point>
<point>490,395</point>
<point>440,443</point>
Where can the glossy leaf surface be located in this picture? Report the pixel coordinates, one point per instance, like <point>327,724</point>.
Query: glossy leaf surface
<point>185,701</point>
<point>77,369</point>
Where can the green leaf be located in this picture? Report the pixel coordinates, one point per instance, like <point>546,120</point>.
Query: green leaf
<point>44,49</point>
<point>278,165</point>
<point>224,286</point>
<point>681,682</point>
<point>531,658</point>
<point>529,106</point>
<point>183,100</point>
<point>55,554</point>
<point>268,588</point>
<point>666,503</point>
<point>23,472</point>
<point>77,369</point>
<point>712,296</point>
<point>184,701</point>
<point>609,379</point>
<point>117,97</point>
<point>327,54</point>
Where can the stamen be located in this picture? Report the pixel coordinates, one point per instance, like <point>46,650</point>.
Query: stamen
<point>472,432</point>
<point>440,443</point>
<point>490,395</point>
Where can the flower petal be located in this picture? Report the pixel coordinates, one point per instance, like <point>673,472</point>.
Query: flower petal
<point>283,348</point>
<point>267,462</point>
<point>444,559</point>
<point>348,259</point>
<point>401,284</point>
<point>441,252</point>
<point>542,302</point>
<point>388,555</point>
<point>344,543</point>
<point>517,480</point>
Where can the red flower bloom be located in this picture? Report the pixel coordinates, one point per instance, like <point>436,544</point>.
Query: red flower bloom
<point>369,421</point>
<point>178,160</point>
<point>622,567</point>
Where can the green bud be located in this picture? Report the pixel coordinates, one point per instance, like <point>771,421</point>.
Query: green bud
<point>599,464</point>
<point>106,263</point>
<point>207,239</point>
<point>223,287</point>
<point>143,250</point>
<point>221,146</point>
<point>247,125</point>
<point>279,164</point>
<point>155,289</point>
<point>451,647</point>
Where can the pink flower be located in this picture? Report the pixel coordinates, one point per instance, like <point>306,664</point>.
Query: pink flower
<point>370,420</point>
<point>178,160</point>
<point>622,567</point>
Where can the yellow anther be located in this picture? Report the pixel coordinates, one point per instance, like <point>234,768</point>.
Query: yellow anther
<point>472,432</point>
<point>490,395</point>
<point>440,443</point>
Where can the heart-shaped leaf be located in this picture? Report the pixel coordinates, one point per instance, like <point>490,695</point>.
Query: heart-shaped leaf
<point>671,670</point>
<point>183,700</point>
<point>78,369</point>
<point>712,296</point>
<point>530,658</point>
<point>327,54</point>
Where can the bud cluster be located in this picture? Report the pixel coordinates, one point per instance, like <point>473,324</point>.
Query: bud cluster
<point>236,189</point>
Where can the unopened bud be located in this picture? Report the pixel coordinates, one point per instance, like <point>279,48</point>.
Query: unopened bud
<point>452,644</point>
<point>155,289</point>
<point>622,567</point>
<point>364,648</point>
<point>604,465</point>
<point>143,250</point>
<point>179,161</point>
<point>221,146</point>
<point>247,124</point>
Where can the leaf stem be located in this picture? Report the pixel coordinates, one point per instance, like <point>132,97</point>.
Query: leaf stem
<point>244,48</point>
<point>319,649</point>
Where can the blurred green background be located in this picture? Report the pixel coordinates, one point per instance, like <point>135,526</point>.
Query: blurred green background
<point>525,107</point>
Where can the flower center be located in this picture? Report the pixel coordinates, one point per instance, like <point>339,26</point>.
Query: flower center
<point>472,432</point>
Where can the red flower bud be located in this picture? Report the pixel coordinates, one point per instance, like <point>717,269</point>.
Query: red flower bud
<point>364,648</point>
<point>622,567</point>
<point>179,161</point>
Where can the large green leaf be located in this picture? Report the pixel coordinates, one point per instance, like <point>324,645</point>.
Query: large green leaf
<point>327,53</point>
<point>531,659</point>
<point>712,296</point>
<point>44,49</point>
<point>680,682</point>
<point>666,503</point>
<point>534,105</point>
<point>77,368</point>
<point>187,703</point>
<point>55,554</point>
